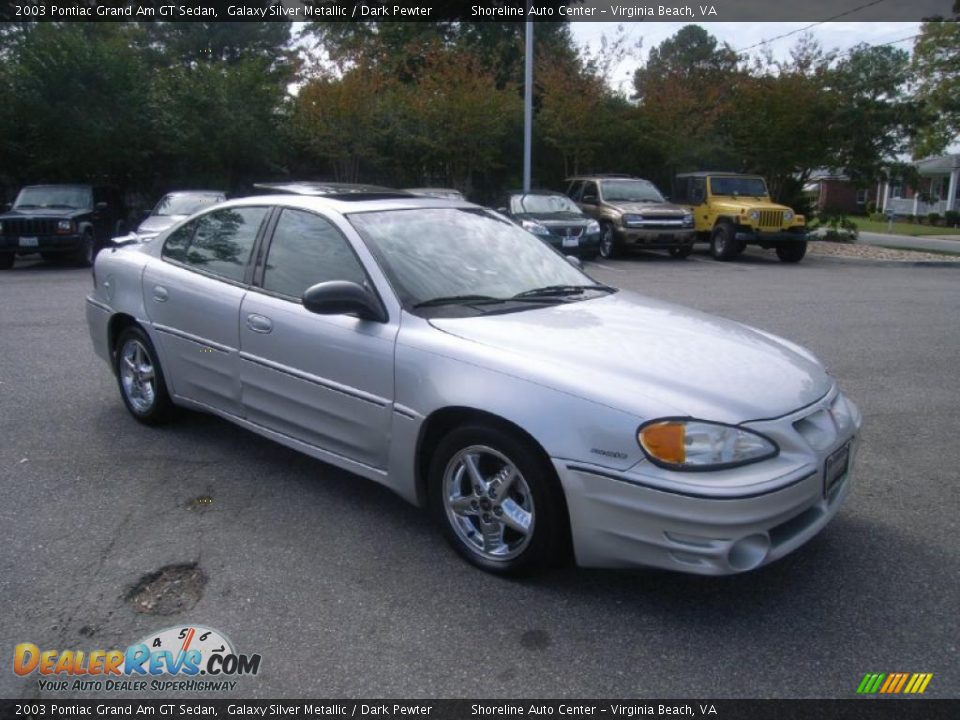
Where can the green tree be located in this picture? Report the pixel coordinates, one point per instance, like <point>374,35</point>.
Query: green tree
<point>936,66</point>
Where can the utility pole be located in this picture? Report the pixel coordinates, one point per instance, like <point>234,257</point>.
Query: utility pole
<point>527,105</point>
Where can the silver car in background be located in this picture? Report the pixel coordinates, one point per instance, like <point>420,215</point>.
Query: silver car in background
<point>174,207</point>
<point>439,349</point>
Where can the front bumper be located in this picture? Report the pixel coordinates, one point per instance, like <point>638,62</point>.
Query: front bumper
<point>769,239</point>
<point>584,244</point>
<point>642,518</point>
<point>654,239</point>
<point>44,244</point>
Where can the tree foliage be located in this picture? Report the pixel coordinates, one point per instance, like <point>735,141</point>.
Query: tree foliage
<point>936,65</point>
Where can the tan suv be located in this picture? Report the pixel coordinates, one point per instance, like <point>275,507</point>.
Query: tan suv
<point>632,215</point>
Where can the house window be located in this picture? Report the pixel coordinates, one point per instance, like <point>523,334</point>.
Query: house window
<point>862,197</point>
<point>896,191</point>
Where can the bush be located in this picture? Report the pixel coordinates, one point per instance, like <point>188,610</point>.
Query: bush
<point>878,217</point>
<point>840,228</point>
<point>934,218</point>
<point>951,218</point>
<point>871,208</point>
<point>911,218</point>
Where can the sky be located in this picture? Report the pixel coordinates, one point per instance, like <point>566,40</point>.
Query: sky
<point>742,35</point>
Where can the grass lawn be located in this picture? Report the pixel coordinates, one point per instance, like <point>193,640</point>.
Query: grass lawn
<point>903,228</point>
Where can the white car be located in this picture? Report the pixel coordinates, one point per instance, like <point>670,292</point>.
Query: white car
<point>439,349</point>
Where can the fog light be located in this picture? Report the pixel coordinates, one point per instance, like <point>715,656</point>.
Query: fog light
<point>749,552</point>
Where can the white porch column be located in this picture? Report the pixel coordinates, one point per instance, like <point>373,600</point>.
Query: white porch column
<point>916,201</point>
<point>886,195</point>
<point>952,192</point>
<point>879,197</point>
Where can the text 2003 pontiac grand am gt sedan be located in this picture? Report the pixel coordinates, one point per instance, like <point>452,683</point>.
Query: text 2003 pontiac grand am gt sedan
<point>435,347</point>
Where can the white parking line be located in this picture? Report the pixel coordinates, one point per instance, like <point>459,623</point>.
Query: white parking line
<point>605,267</point>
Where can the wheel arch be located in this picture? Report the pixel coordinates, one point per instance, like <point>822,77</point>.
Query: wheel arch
<point>441,421</point>
<point>118,323</point>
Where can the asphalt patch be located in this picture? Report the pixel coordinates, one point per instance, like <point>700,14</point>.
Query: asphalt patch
<point>169,590</point>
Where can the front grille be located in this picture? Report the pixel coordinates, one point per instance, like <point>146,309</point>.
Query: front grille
<point>771,218</point>
<point>29,226</point>
<point>567,230</point>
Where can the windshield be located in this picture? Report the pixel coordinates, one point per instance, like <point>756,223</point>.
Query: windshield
<point>752,186</point>
<point>79,198</point>
<point>184,204</point>
<point>436,253</point>
<point>630,191</point>
<point>520,204</point>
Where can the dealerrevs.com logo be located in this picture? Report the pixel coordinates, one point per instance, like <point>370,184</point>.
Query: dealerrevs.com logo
<point>194,658</point>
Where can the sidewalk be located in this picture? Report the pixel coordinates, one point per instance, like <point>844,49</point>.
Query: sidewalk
<point>930,242</point>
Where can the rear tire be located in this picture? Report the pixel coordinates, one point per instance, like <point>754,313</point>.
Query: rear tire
<point>723,244</point>
<point>140,378</point>
<point>508,517</point>
<point>792,252</point>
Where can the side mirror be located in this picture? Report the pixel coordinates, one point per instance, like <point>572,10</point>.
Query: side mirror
<point>589,199</point>
<point>128,239</point>
<point>339,297</point>
<point>575,261</point>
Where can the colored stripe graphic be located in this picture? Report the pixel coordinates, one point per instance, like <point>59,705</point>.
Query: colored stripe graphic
<point>894,683</point>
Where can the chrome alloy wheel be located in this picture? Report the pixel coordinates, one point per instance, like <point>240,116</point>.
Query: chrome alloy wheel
<point>137,376</point>
<point>488,503</point>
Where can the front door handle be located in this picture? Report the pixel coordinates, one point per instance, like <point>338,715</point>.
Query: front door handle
<point>259,323</point>
<point>160,293</point>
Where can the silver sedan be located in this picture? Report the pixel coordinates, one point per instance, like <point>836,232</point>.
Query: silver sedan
<point>436,348</point>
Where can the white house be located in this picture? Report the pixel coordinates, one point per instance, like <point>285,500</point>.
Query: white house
<point>939,184</point>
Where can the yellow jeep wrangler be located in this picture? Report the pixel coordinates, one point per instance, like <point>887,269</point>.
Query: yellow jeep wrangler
<point>732,211</point>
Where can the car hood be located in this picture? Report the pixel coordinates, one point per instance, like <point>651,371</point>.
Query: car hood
<point>42,212</point>
<point>650,358</point>
<point>653,208</point>
<point>560,218</point>
<point>158,223</point>
<point>743,204</point>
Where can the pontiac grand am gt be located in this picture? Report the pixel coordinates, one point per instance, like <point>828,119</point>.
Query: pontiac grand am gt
<point>436,348</point>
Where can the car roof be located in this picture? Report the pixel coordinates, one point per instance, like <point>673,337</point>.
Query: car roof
<point>346,205</point>
<point>605,176</point>
<point>322,189</point>
<point>728,173</point>
<point>195,192</point>
<point>535,192</point>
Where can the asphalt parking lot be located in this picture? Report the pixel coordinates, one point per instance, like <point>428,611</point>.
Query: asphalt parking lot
<point>346,591</point>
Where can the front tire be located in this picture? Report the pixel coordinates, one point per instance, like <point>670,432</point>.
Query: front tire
<point>723,244</point>
<point>792,252</point>
<point>87,251</point>
<point>140,377</point>
<point>6,260</point>
<point>497,501</point>
<point>608,242</point>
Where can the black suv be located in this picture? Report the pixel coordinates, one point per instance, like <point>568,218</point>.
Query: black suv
<point>61,221</point>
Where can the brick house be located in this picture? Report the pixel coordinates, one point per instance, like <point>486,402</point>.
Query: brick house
<point>831,190</point>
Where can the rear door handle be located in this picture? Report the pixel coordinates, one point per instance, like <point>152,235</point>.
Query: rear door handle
<point>160,293</point>
<point>259,323</point>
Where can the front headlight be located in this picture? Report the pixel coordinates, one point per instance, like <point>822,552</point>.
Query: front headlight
<point>64,226</point>
<point>688,219</point>
<point>534,227</point>
<point>687,444</point>
<point>631,219</point>
<point>754,215</point>
<point>788,215</point>
<point>593,227</point>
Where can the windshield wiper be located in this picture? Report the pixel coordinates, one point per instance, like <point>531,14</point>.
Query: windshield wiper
<point>561,290</point>
<point>459,300</point>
